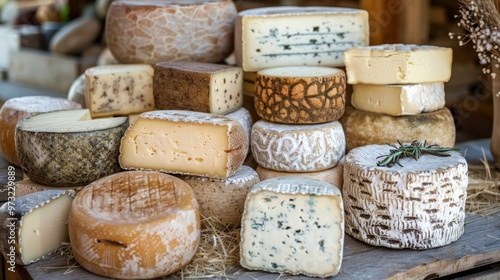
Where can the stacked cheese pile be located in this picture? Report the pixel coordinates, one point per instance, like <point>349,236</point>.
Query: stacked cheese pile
<point>398,94</point>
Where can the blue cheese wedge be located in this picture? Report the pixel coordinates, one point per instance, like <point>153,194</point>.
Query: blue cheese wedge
<point>293,225</point>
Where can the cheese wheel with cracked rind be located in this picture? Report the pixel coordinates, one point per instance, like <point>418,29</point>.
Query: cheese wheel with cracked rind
<point>135,225</point>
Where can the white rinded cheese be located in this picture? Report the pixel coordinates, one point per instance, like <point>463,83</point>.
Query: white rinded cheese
<point>293,36</point>
<point>398,64</point>
<point>293,225</point>
<point>35,225</point>
<point>134,225</point>
<point>397,100</point>
<point>417,206</point>
<point>245,118</point>
<point>297,148</point>
<point>26,186</point>
<point>112,90</point>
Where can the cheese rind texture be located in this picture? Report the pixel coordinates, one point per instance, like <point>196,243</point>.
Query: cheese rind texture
<point>397,100</point>
<point>293,225</point>
<point>398,64</point>
<point>184,142</point>
<point>21,223</point>
<point>197,86</point>
<point>417,206</point>
<point>364,128</point>
<point>300,95</point>
<point>113,90</point>
<point>223,200</point>
<point>135,225</point>
<point>26,187</point>
<point>297,148</point>
<point>139,31</point>
<point>297,36</point>
<point>243,116</point>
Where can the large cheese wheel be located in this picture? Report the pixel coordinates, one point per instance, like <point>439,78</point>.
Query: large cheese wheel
<point>300,95</point>
<point>134,225</point>
<point>418,205</point>
<point>297,148</point>
<point>153,31</point>
<point>18,108</point>
<point>364,128</point>
<point>66,148</point>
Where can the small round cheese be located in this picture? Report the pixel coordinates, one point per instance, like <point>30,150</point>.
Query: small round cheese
<point>134,225</point>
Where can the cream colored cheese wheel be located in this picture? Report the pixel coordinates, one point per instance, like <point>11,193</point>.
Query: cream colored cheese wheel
<point>134,225</point>
<point>153,31</point>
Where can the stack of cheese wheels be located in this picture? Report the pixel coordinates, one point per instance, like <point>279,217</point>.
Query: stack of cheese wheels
<point>398,94</point>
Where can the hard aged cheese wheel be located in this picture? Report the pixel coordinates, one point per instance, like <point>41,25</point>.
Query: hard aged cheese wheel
<point>26,186</point>
<point>16,109</point>
<point>76,36</point>
<point>134,225</point>
<point>300,95</point>
<point>67,148</point>
<point>153,31</point>
<point>364,128</point>
<point>417,206</point>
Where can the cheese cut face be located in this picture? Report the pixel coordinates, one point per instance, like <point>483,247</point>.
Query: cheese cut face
<point>297,148</point>
<point>293,225</point>
<point>300,95</point>
<point>397,100</point>
<point>184,142</point>
<point>26,187</point>
<point>134,225</point>
<point>113,90</point>
<point>67,148</point>
<point>417,206</point>
<point>197,86</point>
<point>398,64</point>
<point>16,109</point>
<point>364,128</point>
<point>223,200</point>
<point>38,225</point>
<point>297,36</point>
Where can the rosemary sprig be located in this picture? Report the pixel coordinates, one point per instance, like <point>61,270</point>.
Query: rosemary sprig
<point>414,150</point>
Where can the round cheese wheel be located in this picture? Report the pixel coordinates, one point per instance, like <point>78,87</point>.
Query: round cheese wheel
<point>297,148</point>
<point>153,31</point>
<point>134,225</point>
<point>300,95</point>
<point>18,108</point>
<point>76,36</point>
<point>364,128</point>
<point>418,205</point>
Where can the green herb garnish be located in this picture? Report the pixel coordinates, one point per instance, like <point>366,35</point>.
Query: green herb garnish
<point>414,150</point>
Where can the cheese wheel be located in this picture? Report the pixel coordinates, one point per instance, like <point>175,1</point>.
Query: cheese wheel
<point>16,109</point>
<point>153,31</point>
<point>398,64</point>
<point>300,95</point>
<point>364,128</point>
<point>134,225</point>
<point>184,142</point>
<point>196,86</point>
<point>223,199</point>
<point>297,148</point>
<point>418,205</point>
<point>76,36</point>
<point>67,148</point>
<point>26,187</point>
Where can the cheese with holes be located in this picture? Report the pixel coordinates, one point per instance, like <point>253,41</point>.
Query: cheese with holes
<point>184,142</point>
<point>34,226</point>
<point>135,225</point>
<point>26,186</point>
<point>398,64</point>
<point>197,86</point>
<point>67,148</point>
<point>293,225</point>
<point>419,205</point>
<point>397,100</point>
<point>297,148</point>
<point>296,36</point>
<point>151,31</point>
<point>300,95</point>
<point>16,109</point>
<point>112,90</point>
<point>364,128</point>
<point>223,200</point>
